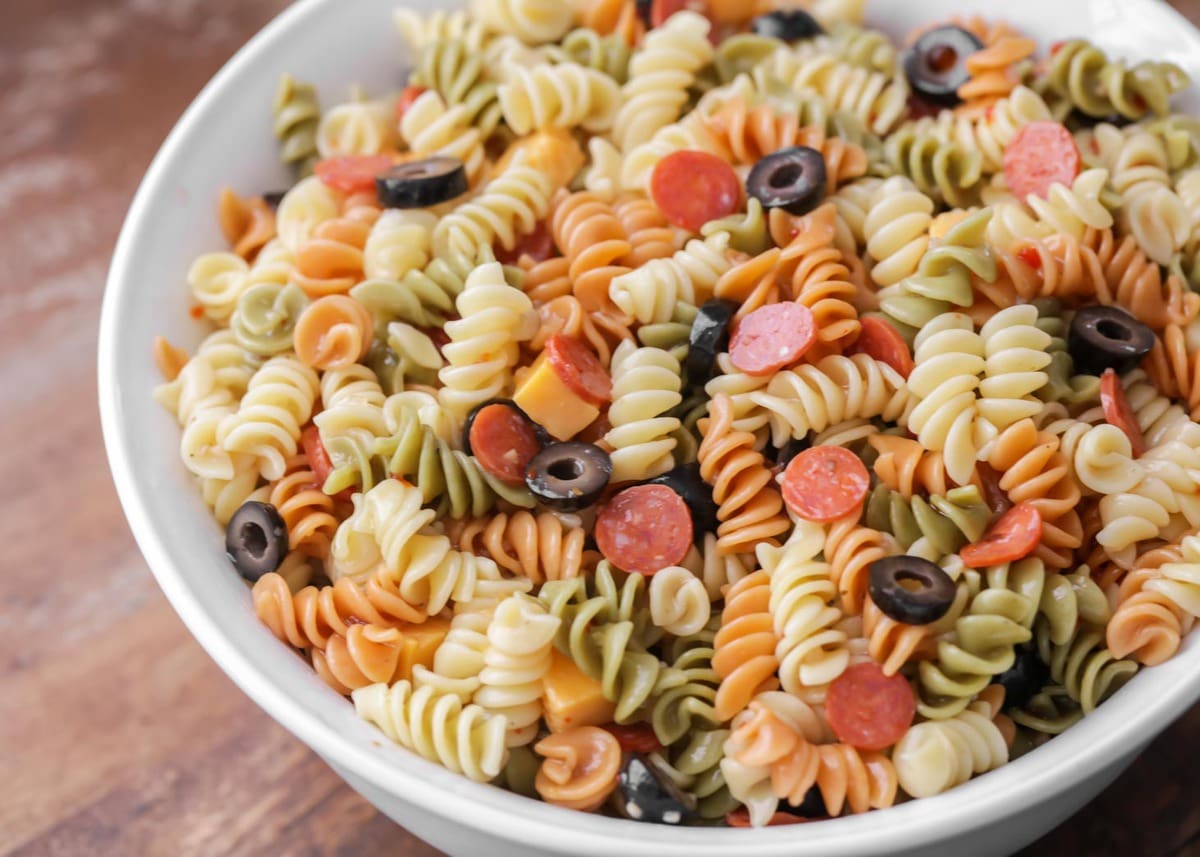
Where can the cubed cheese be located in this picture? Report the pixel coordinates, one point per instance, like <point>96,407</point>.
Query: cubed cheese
<point>553,152</point>
<point>419,644</point>
<point>551,403</point>
<point>573,699</point>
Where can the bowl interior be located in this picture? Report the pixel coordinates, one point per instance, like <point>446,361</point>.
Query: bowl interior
<point>225,139</point>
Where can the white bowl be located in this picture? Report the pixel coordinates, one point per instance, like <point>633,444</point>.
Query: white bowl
<point>225,138</point>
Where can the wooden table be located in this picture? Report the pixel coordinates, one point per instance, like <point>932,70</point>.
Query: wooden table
<point>117,734</point>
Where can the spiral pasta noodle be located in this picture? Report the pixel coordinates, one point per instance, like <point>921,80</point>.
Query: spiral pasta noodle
<point>465,739</point>
<point>540,547</point>
<point>659,75</point>
<point>750,508</point>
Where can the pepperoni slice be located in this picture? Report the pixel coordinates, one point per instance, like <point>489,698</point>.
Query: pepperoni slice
<point>318,458</point>
<point>772,337</point>
<point>634,737</point>
<point>503,441</point>
<point>353,173</point>
<point>579,368</point>
<point>1012,537</point>
<point>825,483</point>
<point>1118,412</point>
<point>660,10</point>
<point>741,818</point>
<point>644,529</point>
<point>1042,154</point>
<point>410,94</point>
<point>691,188</point>
<point>869,710</point>
<point>538,245</point>
<point>881,340</point>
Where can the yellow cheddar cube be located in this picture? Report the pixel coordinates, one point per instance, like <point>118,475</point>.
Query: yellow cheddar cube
<point>546,398</point>
<point>573,699</point>
<point>553,152</point>
<point>419,644</point>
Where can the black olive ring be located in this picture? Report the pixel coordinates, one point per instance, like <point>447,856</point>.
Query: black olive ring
<point>910,589</point>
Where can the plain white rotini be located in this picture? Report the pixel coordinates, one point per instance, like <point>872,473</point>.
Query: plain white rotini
<point>949,358</point>
<point>437,726</point>
<point>651,293</point>
<point>534,22</point>
<point>558,96</point>
<point>1180,581</point>
<point>388,528</point>
<point>1160,221</point>
<point>1015,354</point>
<point>896,230</point>
<point>485,342</point>
<point>226,496</point>
<point>512,203</point>
<point>1165,499</point>
<point>1103,460</point>
<point>679,602</point>
<point>715,570</point>
<point>603,174</point>
<point>357,128</point>
<point>217,280</point>
<point>853,201</point>
<point>303,208</point>
<point>748,414</point>
<point>646,385</point>
<point>937,755</point>
<point>812,649</point>
<point>430,128</point>
<point>1066,210</point>
<point>660,73</point>
<point>217,374</point>
<point>812,398</point>
<point>278,402</point>
<point>420,29</point>
<point>1139,172</point>
<point>520,637</point>
<point>399,242</point>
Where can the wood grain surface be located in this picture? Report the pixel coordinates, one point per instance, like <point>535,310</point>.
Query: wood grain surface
<point>117,734</point>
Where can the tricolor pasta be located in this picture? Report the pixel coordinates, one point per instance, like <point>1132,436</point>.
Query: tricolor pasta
<point>703,420</point>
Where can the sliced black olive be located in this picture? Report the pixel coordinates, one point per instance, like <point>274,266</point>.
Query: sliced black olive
<point>1107,337</point>
<point>685,481</point>
<point>420,184</point>
<point>813,805</point>
<point>643,10</point>
<point>1026,677</point>
<point>709,337</point>
<point>650,796</point>
<point>910,589</point>
<point>937,64</point>
<point>792,179</point>
<point>274,197</point>
<point>543,435</point>
<point>1077,119</point>
<point>256,540</point>
<point>569,476</point>
<point>787,25</point>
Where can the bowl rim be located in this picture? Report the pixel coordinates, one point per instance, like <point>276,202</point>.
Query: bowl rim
<point>1116,730</point>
